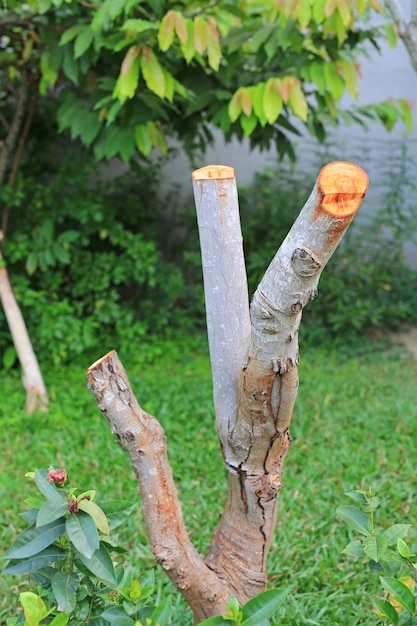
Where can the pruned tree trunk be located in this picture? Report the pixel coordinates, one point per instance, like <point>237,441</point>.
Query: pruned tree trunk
<point>259,371</point>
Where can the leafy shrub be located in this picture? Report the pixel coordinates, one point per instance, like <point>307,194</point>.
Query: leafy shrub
<point>388,553</point>
<point>84,259</point>
<point>67,549</point>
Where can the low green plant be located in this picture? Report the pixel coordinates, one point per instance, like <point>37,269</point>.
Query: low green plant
<point>67,549</point>
<point>388,554</point>
<point>256,612</point>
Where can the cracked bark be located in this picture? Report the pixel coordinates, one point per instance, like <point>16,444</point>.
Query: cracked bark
<point>255,382</point>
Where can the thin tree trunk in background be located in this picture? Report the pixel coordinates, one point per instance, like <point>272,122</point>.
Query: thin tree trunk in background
<point>256,437</point>
<point>407,30</point>
<point>36,395</point>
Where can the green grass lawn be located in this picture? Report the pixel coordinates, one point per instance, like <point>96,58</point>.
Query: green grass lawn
<point>354,425</point>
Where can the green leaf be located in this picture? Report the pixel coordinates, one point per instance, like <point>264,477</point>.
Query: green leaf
<point>9,357</point>
<point>71,33</point>
<point>317,76</point>
<point>387,610</point>
<point>257,95</point>
<point>169,85</point>
<point>51,511</point>
<point>304,12</point>
<point>125,144</point>
<point>166,32</point>
<point>47,488</point>
<point>139,26</point>
<point>375,547</point>
<point>128,79</point>
<point>407,117</point>
<point>334,81</point>
<point>82,532</point>
<point>217,620</point>
<point>33,540</point>
<point>233,608</point>
<point>108,10</point>
<point>214,53</point>
<point>403,549</point>
<point>357,495</point>
<point>33,608</point>
<point>272,101</point>
<point>52,554</point>
<point>69,64</point>
<point>355,519</point>
<point>400,592</point>
<point>152,72</point>
<point>298,102</point>
<point>263,606</point>
<point>118,616</point>
<point>49,73</point>
<point>100,564</point>
<point>180,27</point>
<point>83,41</point>
<point>351,78</point>
<point>187,47</point>
<point>64,587</point>
<point>143,142</point>
<point>98,515</point>
<point>161,614</point>
<point>235,106</point>
<point>354,548</point>
<point>60,620</point>
<point>391,34</point>
<point>200,34</point>
<point>248,123</point>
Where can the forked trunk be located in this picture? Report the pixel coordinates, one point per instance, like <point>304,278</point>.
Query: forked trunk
<point>255,382</point>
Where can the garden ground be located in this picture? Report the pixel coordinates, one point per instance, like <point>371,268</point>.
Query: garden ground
<point>354,426</point>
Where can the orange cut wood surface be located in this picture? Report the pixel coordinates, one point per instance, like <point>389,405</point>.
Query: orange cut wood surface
<point>343,186</point>
<point>215,172</point>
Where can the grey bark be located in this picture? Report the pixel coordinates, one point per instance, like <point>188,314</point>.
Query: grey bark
<point>407,30</point>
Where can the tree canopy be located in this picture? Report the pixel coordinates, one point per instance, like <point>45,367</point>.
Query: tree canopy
<point>124,75</point>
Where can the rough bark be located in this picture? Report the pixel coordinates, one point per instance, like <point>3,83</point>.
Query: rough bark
<point>269,379</point>
<point>36,394</point>
<point>256,436</point>
<point>143,438</point>
<point>407,30</point>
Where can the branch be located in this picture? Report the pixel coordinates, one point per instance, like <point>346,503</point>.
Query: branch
<point>4,122</point>
<point>19,152</point>
<point>143,438</point>
<point>406,30</point>
<point>9,144</point>
<point>225,287</point>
